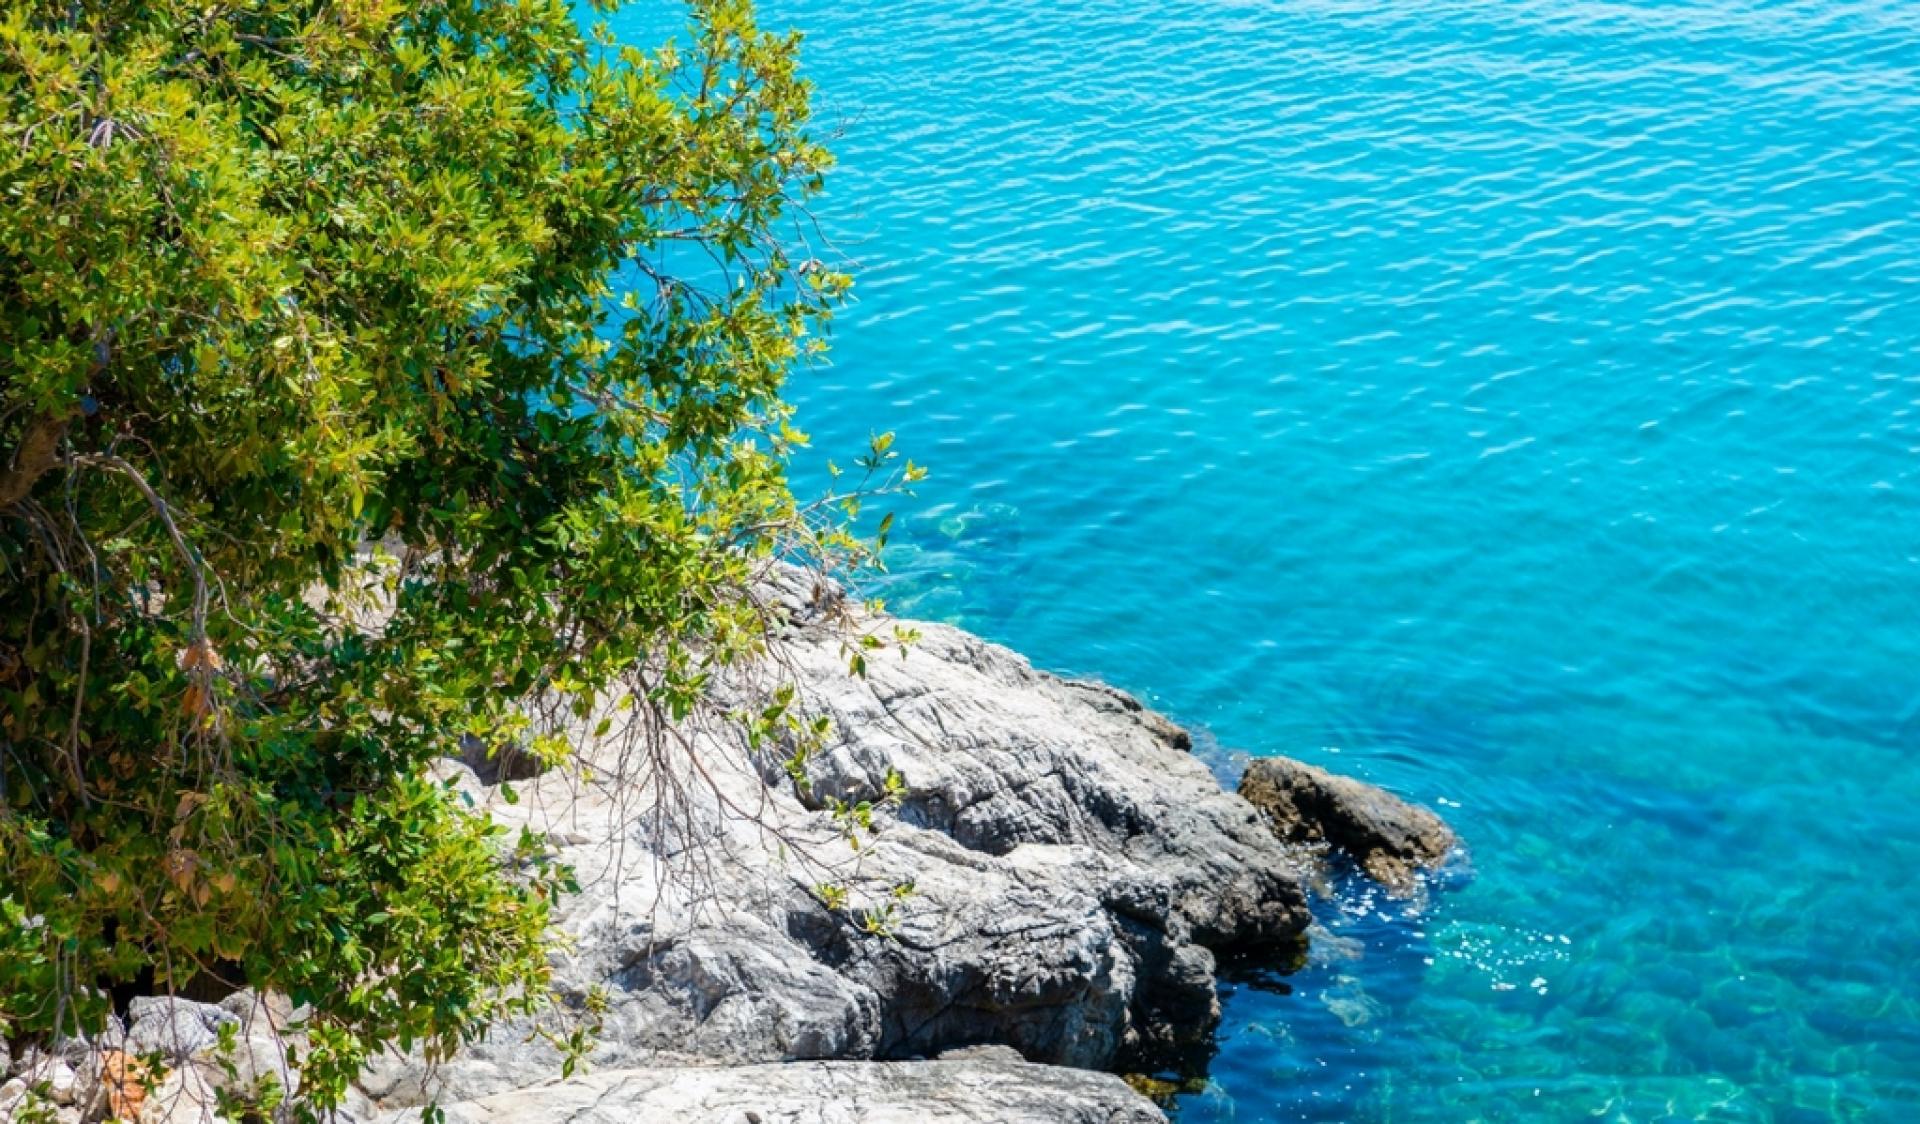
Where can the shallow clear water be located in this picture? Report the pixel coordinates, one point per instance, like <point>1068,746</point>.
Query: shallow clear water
<point>1512,402</point>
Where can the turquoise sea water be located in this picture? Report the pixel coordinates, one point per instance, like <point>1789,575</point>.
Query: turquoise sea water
<point>1512,402</point>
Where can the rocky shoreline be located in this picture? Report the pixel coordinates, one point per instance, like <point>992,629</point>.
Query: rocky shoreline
<point>1076,875</point>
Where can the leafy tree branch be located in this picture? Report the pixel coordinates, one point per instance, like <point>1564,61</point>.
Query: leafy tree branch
<point>377,379</point>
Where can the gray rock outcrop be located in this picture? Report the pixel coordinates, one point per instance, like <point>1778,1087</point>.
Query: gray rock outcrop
<point>175,1029</point>
<point>1073,870</point>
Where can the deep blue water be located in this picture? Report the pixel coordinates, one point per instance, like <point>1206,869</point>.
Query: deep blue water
<point>1512,402</point>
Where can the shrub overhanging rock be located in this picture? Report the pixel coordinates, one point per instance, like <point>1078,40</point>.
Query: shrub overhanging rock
<point>1075,872</point>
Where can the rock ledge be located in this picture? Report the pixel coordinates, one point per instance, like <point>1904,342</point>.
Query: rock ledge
<point>989,1090</point>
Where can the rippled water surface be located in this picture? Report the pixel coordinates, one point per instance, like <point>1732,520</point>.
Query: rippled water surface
<point>1512,402</point>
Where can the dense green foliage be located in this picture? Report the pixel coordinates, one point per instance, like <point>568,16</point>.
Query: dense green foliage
<point>367,370</point>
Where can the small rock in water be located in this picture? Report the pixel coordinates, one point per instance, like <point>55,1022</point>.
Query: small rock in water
<point>1391,839</point>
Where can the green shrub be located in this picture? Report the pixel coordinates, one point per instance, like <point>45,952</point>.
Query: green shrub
<point>373,376</point>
